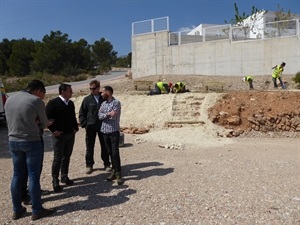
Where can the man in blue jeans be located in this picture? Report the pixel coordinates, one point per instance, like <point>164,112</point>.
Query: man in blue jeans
<point>25,112</point>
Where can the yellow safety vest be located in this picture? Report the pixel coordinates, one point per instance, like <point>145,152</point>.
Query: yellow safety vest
<point>248,78</point>
<point>277,72</point>
<point>180,87</point>
<point>161,86</point>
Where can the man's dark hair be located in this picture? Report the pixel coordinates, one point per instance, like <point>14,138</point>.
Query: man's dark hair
<point>36,85</point>
<point>109,88</point>
<point>95,82</point>
<point>283,63</point>
<point>63,87</point>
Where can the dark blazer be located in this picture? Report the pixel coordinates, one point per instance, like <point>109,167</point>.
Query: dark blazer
<point>88,112</point>
<point>63,115</point>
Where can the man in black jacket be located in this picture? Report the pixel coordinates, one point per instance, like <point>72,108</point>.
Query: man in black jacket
<point>62,111</point>
<point>88,117</point>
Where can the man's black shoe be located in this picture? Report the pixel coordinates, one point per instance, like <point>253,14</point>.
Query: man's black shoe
<point>18,215</point>
<point>26,200</point>
<point>42,213</point>
<point>56,186</point>
<point>67,181</point>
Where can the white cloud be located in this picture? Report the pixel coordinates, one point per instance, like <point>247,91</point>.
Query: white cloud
<point>186,28</point>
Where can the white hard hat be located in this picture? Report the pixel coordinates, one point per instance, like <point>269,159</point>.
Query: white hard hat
<point>244,78</point>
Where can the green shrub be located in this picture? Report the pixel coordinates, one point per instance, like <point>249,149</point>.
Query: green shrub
<point>296,79</point>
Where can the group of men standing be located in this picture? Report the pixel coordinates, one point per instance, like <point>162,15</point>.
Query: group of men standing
<point>27,116</point>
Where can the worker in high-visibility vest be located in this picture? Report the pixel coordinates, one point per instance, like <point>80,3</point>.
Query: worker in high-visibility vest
<point>278,69</point>
<point>249,79</point>
<point>179,87</point>
<point>161,88</point>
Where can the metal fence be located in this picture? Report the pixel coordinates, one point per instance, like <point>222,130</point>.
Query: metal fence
<point>220,32</point>
<point>281,29</point>
<point>276,29</point>
<point>150,26</point>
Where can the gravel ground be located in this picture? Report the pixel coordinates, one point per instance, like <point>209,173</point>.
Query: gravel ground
<point>246,181</point>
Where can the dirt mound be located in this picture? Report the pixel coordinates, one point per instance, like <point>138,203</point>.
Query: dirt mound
<point>244,111</point>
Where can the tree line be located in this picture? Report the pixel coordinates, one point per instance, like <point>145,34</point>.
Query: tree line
<point>57,54</point>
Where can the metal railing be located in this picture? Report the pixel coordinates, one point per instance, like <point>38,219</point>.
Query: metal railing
<point>281,29</point>
<point>276,29</point>
<point>254,31</point>
<point>150,26</point>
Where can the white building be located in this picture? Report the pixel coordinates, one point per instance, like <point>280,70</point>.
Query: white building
<point>199,29</point>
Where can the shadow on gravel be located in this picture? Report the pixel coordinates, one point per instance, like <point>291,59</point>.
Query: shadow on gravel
<point>88,193</point>
<point>4,152</point>
<point>137,171</point>
<point>93,192</point>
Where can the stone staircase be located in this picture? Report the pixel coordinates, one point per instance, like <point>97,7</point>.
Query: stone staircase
<point>186,108</point>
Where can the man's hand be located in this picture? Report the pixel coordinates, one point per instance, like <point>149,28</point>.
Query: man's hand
<point>112,113</point>
<point>57,133</point>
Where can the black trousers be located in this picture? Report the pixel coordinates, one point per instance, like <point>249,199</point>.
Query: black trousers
<point>251,84</point>
<point>63,148</point>
<point>90,139</point>
<point>112,144</point>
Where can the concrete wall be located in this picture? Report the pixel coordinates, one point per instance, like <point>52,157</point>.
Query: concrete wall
<point>152,55</point>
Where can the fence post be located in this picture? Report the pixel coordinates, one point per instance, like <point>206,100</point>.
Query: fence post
<point>298,28</point>
<point>179,38</point>
<point>152,25</point>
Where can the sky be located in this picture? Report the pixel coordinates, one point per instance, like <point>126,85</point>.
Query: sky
<point>112,19</point>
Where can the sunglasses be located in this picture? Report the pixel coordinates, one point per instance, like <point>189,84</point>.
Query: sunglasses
<point>93,89</point>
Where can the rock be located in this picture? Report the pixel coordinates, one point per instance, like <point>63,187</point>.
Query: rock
<point>234,120</point>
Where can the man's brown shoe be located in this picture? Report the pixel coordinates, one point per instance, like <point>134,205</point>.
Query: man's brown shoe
<point>18,215</point>
<point>108,169</point>
<point>120,181</point>
<point>89,170</point>
<point>42,213</point>
<point>111,177</point>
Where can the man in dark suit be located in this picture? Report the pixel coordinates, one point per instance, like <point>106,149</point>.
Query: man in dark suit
<point>62,110</point>
<point>88,117</point>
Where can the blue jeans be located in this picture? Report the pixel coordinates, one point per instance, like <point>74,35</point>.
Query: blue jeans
<point>26,154</point>
<point>281,83</point>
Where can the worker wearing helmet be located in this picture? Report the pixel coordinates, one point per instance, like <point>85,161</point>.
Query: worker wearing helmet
<point>278,69</point>
<point>161,88</point>
<point>179,87</point>
<point>249,79</point>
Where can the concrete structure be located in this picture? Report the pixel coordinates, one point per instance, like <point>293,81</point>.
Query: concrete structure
<point>152,55</point>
